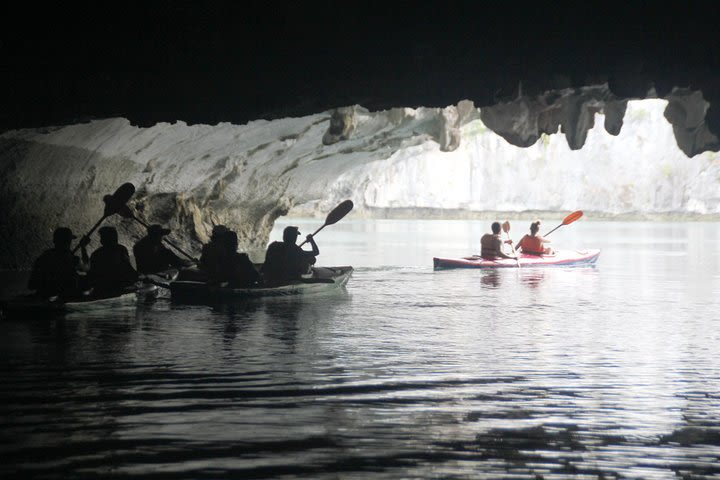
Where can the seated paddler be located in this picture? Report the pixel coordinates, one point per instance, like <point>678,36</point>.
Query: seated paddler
<point>238,270</point>
<point>534,243</point>
<point>56,271</point>
<point>491,245</point>
<point>151,256</point>
<point>286,261</point>
<point>110,268</point>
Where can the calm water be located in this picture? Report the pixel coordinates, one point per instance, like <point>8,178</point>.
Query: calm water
<point>609,371</point>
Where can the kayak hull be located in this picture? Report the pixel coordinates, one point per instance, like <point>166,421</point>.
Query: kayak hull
<point>23,306</point>
<point>562,258</point>
<point>145,290</point>
<point>323,279</point>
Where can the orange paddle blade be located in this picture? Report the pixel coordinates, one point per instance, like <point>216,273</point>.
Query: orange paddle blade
<point>572,217</point>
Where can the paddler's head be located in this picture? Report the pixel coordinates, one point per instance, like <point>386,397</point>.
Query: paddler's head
<point>290,234</point>
<point>218,232</point>
<point>156,232</point>
<point>535,227</point>
<point>108,236</point>
<point>62,237</point>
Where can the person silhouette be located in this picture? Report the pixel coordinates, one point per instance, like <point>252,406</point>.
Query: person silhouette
<point>238,270</point>
<point>110,268</point>
<point>286,261</point>
<point>56,271</point>
<point>151,256</point>
<point>214,254</point>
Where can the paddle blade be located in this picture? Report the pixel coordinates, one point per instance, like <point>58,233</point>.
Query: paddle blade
<point>572,217</point>
<point>339,212</point>
<point>567,220</point>
<point>114,202</point>
<point>123,193</point>
<point>506,227</point>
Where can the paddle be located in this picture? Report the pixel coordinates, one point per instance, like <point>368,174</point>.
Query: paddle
<point>567,221</point>
<point>113,204</point>
<point>125,212</point>
<point>506,229</point>
<point>334,216</point>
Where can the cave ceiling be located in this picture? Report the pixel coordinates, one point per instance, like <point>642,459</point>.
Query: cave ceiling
<point>211,62</point>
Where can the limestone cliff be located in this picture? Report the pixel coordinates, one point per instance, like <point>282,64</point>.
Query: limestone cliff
<point>191,177</point>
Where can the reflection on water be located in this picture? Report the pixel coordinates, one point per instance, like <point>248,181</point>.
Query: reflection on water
<point>533,277</point>
<point>602,372</point>
<point>490,278</point>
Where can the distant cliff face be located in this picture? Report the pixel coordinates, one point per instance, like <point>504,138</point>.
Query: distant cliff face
<point>246,176</point>
<point>522,118</point>
<point>638,171</point>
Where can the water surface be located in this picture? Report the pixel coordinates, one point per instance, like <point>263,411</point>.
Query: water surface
<point>602,372</point>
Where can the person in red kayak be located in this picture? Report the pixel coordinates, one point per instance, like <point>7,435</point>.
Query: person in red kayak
<point>491,245</point>
<point>534,244</point>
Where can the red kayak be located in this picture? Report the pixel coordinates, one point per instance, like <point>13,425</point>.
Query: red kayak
<point>561,258</point>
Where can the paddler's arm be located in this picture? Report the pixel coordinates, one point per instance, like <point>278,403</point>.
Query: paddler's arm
<point>503,254</point>
<point>315,249</point>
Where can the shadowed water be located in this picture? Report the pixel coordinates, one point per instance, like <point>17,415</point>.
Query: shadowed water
<point>602,372</point>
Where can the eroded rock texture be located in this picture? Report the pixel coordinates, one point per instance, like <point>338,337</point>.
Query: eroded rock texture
<point>572,112</point>
<point>191,177</point>
<point>522,120</point>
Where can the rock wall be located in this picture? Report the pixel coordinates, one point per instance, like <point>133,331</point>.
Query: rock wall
<point>191,177</point>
